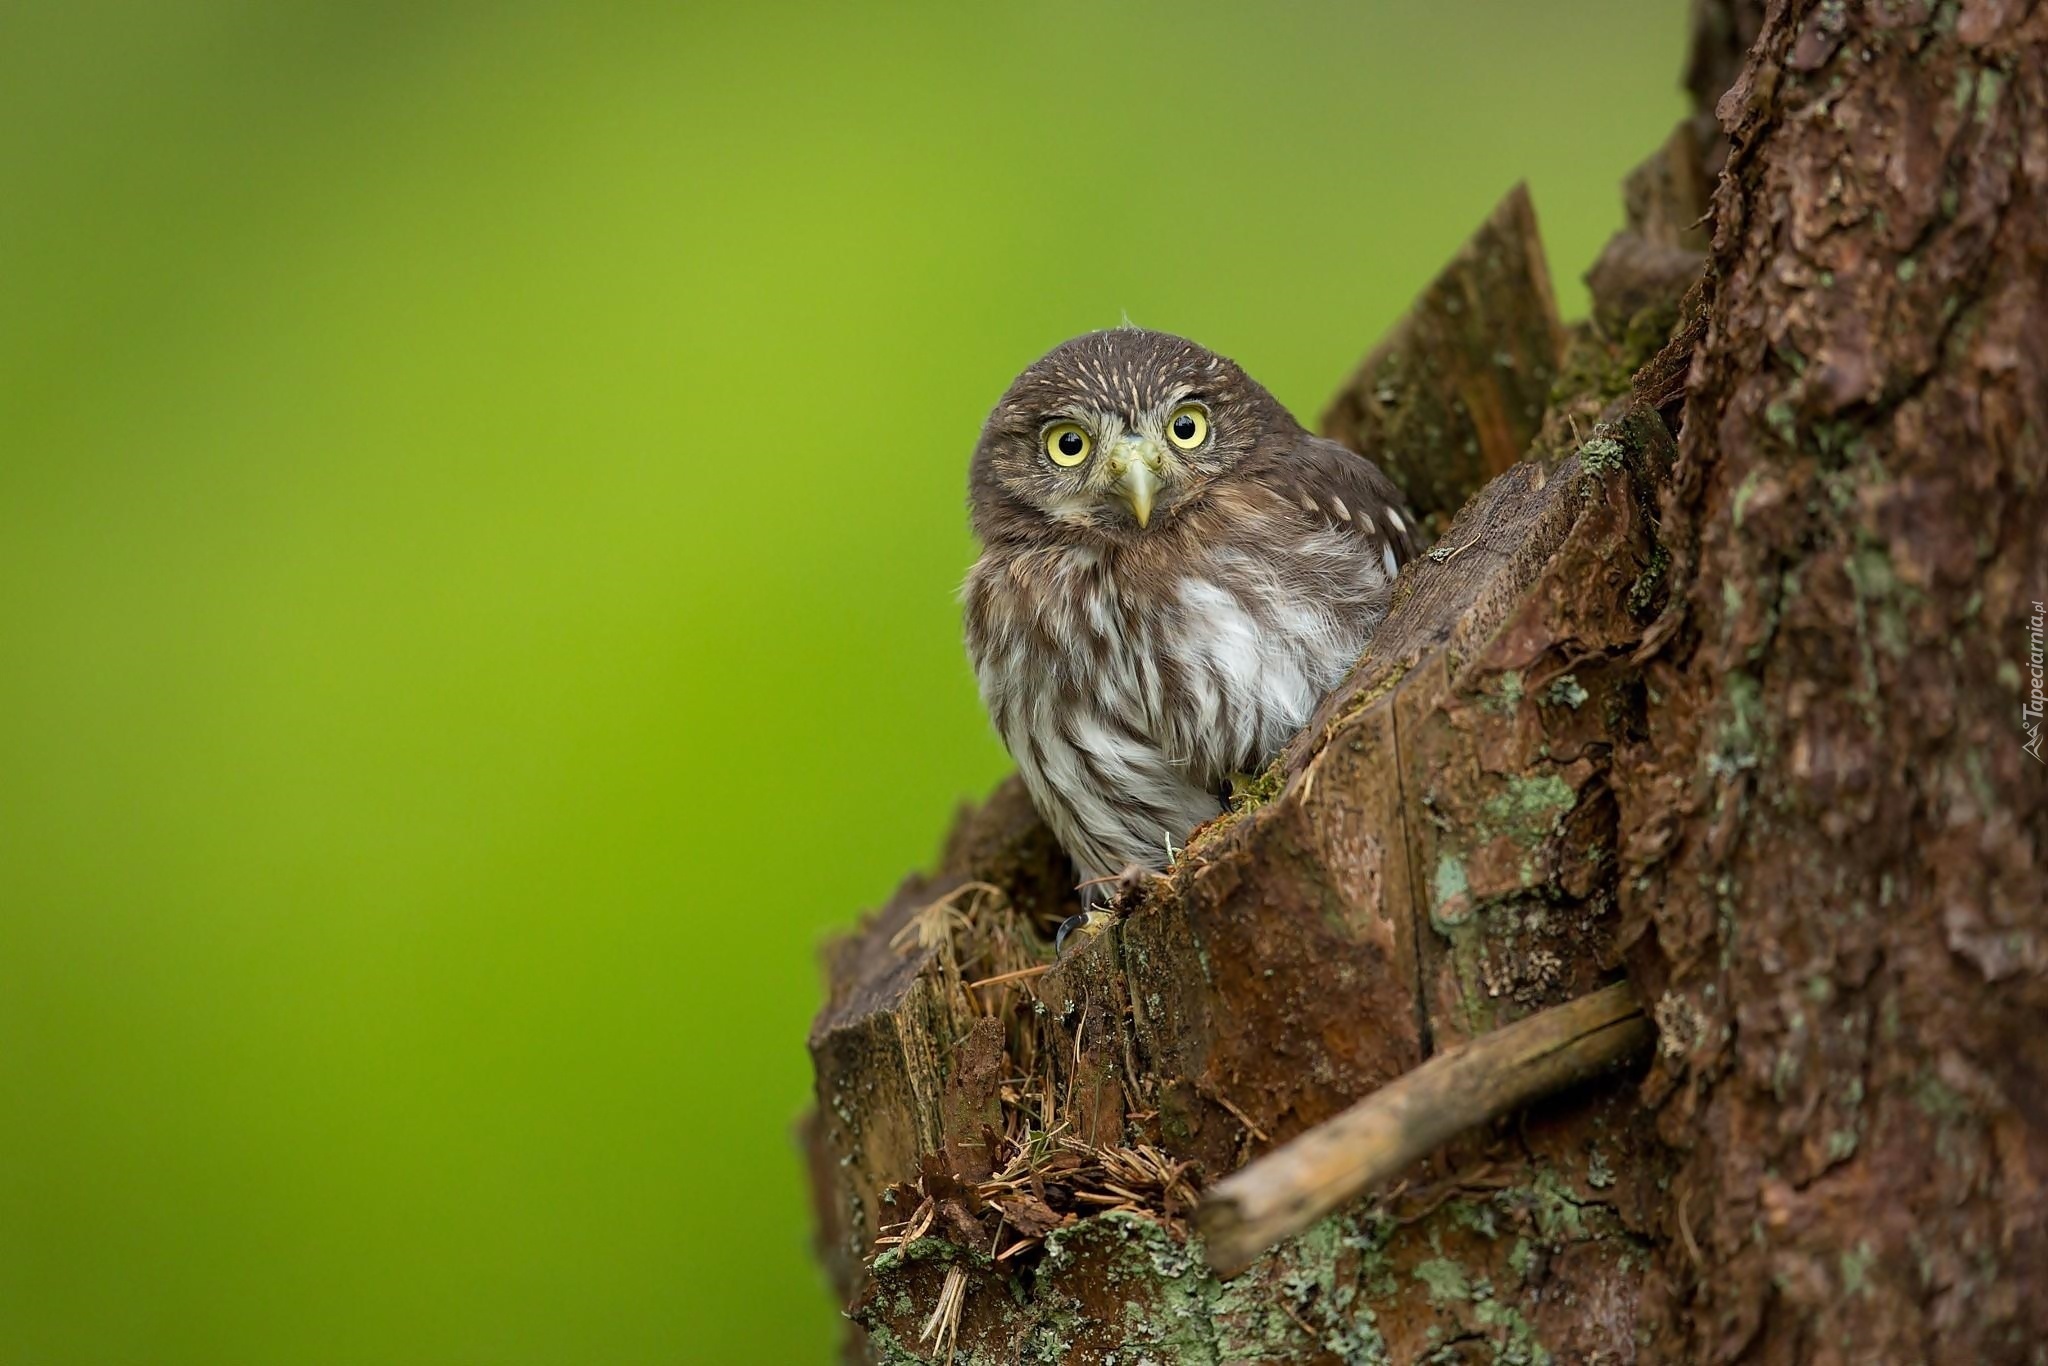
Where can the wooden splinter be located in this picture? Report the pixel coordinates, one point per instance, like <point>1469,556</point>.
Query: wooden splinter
<point>1461,1088</point>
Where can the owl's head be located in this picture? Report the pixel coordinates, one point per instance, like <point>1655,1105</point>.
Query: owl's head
<point>1115,433</point>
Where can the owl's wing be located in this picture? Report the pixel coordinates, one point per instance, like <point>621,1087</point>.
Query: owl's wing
<point>1347,491</point>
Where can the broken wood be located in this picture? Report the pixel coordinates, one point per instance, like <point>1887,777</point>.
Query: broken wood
<point>1404,1121</point>
<point>1458,389</point>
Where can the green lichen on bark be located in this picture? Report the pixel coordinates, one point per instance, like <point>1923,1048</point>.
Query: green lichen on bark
<point>1477,1273</point>
<point>1528,807</point>
<point>1121,1288</point>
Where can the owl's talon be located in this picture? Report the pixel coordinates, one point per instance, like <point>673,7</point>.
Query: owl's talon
<point>1087,925</point>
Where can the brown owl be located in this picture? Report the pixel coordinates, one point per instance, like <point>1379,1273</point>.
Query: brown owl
<point>1173,574</point>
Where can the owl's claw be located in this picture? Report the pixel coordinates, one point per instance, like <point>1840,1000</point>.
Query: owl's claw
<point>1101,893</point>
<point>1086,926</point>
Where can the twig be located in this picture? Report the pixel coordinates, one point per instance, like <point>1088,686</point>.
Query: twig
<point>1018,975</point>
<point>1240,1116</point>
<point>1299,1322</point>
<point>1439,555</point>
<point>1692,1248</point>
<point>944,1324</point>
<point>1459,1089</point>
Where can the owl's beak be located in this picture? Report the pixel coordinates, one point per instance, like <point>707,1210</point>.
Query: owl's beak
<point>1134,465</point>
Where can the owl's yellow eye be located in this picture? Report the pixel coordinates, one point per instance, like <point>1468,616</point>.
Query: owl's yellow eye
<point>1188,427</point>
<point>1067,445</point>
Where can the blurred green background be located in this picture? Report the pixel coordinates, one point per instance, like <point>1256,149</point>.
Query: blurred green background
<point>480,503</point>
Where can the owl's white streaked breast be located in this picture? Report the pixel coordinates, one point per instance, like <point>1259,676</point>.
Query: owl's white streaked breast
<point>1129,697</point>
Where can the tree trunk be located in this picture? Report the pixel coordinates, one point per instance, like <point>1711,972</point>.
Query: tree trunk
<point>1739,712</point>
<point>1832,839</point>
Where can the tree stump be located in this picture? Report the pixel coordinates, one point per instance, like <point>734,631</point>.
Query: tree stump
<point>1682,692</point>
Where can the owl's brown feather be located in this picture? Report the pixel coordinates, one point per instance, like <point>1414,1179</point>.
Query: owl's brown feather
<point>1132,667</point>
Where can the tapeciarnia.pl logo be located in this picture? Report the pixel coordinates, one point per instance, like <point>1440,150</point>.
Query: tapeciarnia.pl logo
<point>2030,715</point>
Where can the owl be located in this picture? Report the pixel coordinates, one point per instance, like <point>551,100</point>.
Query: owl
<point>1173,574</point>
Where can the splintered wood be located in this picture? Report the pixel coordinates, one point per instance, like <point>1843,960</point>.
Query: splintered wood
<point>1456,392</point>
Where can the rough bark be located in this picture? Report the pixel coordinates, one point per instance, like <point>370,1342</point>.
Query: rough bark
<point>1738,712</point>
<point>1832,840</point>
<point>1722,33</point>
